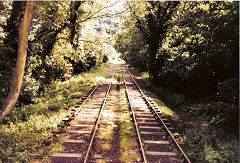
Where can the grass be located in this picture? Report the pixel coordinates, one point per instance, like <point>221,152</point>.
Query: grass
<point>28,129</point>
<point>56,148</point>
<point>166,110</point>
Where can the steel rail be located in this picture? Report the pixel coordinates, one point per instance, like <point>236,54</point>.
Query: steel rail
<point>90,95</point>
<point>97,122</point>
<point>165,126</point>
<point>135,122</point>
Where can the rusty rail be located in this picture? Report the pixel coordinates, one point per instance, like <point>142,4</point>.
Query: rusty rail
<point>160,119</point>
<point>89,96</point>
<point>136,124</point>
<point>97,122</point>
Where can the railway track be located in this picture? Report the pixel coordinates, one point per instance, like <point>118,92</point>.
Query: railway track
<point>156,141</point>
<point>110,134</point>
<point>82,130</point>
<point>101,130</point>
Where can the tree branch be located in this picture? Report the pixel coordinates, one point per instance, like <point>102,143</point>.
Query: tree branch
<point>89,41</point>
<point>92,16</point>
<point>138,23</point>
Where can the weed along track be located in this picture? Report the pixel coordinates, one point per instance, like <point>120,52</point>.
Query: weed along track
<point>117,123</point>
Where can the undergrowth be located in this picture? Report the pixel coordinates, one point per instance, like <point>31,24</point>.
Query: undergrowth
<point>209,144</point>
<point>27,128</point>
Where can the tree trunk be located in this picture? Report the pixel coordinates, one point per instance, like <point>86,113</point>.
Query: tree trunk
<point>12,28</point>
<point>13,95</point>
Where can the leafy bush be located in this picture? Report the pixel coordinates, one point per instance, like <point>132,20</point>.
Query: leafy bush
<point>91,62</point>
<point>187,76</point>
<point>218,113</point>
<point>207,144</point>
<point>10,149</point>
<point>76,95</point>
<point>175,99</point>
<point>55,106</point>
<point>6,72</point>
<point>228,91</point>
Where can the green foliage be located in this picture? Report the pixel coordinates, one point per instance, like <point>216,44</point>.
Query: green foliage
<point>189,49</point>
<point>205,144</point>
<point>25,130</point>
<point>19,139</point>
<point>175,99</point>
<point>227,91</point>
<point>55,106</point>
<point>218,113</point>
<point>63,41</point>
<point>6,71</point>
<point>10,150</point>
<point>200,58</point>
<point>134,52</point>
<point>91,62</point>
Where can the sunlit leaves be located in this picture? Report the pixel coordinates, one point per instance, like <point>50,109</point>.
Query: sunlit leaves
<point>53,14</point>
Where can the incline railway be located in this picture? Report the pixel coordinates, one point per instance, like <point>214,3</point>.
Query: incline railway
<point>101,110</point>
